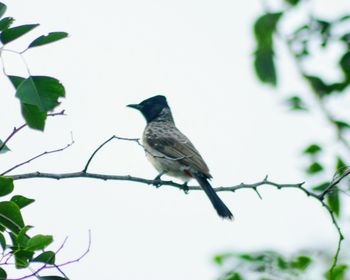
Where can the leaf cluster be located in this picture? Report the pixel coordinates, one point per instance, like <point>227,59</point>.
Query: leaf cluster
<point>272,265</point>
<point>38,95</point>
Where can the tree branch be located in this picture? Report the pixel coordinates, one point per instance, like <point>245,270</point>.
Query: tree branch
<point>157,182</point>
<point>254,186</point>
<point>336,180</point>
<point>17,129</point>
<point>36,157</point>
<point>137,140</point>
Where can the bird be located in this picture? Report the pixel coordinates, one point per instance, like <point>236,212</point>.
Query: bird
<point>172,153</point>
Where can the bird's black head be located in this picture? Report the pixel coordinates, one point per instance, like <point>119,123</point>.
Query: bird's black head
<point>151,107</point>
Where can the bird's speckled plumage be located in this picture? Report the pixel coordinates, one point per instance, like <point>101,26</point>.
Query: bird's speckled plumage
<point>171,152</point>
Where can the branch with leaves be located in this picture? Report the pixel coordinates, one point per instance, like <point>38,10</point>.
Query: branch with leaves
<point>38,96</point>
<point>320,197</point>
<point>307,40</point>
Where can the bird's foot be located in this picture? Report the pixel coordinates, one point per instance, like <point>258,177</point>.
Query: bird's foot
<point>156,181</point>
<point>185,187</point>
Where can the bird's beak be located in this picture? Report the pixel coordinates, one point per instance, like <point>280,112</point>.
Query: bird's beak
<point>135,106</point>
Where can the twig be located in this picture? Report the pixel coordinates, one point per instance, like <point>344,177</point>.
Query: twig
<point>136,140</point>
<point>15,129</point>
<point>57,266</point>
<point>334,183</point>
<point>77,259</point>
<point>158,182</point>
<point>36,157</point>
<point>104,143</point>
<point>234,188</point>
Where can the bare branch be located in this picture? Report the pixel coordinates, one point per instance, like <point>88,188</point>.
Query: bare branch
<point>157,182</point>
<point>36,157</point>
<point>77,259</point>
<point>136,140</point>
<point>15,129</point>
<point>104,143</point>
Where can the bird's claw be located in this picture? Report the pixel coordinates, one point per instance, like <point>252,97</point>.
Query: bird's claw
<point>185,188</point>
<point>156,180</point>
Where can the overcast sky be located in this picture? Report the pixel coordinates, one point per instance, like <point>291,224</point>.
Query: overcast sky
<point>198,54</point>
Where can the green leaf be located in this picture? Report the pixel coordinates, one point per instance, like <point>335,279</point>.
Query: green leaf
<point>41,91</point>
<point>13,33</point>
<point>301,262</point>
<point>218,259</point>
<point>252,257</point>
<point>339,273</point>
<point>22,237</point>
<point>39,242</point>
<point>292,2</point>
<point>318,85</point>
<point>338,86</point>
<point>34,118</point>
<point>14,240</point>
<point>234,276</point>
<point>321,187</point>
<point>341,124</point>
<point>345,64</point>
<point>51,278</point>
<point>265,66</point>
<point>312,149</point>
<point>22,201</point>
<point>23,258</point>
<point>47,39</point>
<point>314,168</point>
<point>295,103</point>
<point>10,216</point>
<point>5,23</point>
<point>282,263</point>
<point>343,18</point>
<point>346,38</point>
<point>3,9</point>
<point>264,28</point>
<point>340,166</point>
<point>2,242</point>
<point>324,27</point>
<point>4,149</point>
<point>3,275</point>
<point>46,257</point>
<point>333,201</point>
<point>6,185</point>
<point>16,80</point>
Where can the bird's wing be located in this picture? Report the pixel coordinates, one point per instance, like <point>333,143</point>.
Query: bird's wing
<point>176,146</point>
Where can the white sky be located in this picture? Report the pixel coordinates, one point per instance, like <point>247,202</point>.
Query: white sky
<point>198,54</point>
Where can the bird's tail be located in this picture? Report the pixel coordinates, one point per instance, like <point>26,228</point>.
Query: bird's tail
<point>218,204</point>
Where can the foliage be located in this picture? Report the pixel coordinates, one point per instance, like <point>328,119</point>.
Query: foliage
<point>271,265</point>
<point>38,95</point>
<point>306,41</point>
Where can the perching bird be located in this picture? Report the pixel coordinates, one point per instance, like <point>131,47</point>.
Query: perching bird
<point>171,152</point>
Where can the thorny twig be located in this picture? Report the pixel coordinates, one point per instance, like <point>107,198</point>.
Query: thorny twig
<point>158,182</point>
